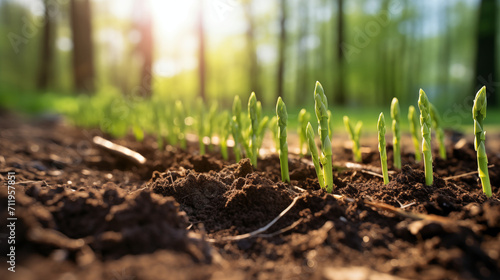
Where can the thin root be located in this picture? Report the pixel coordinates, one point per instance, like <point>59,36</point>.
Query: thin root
<point>258,231</point>
<point>465,174</point>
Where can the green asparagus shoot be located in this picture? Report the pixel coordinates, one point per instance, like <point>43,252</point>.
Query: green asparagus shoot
<point>304,118</point>
<point>224,134</point>
<point>323,163</point>
<point>235,130</point>
<point>283,150</point>
<point>479,113</point>
<point>321,109</point>
<point>314,155</point>
<point>425,123</point>
<point>414,128</point>
<point>238,124</point>
<point>436,125</point>
<point>254,126</point>
<point>396,142</point>
<point>237,110</point>
<point>354,135</point>
<point>382,147</point>
<point>330,124</point>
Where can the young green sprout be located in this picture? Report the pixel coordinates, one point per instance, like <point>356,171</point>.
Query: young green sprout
<point>396,142</point>
<point>254,126</point>
<point>354,135</point>
<point>436,125</point>
<point>283,148</point>
<point>425,123</point>
<point>382,147</point>
<point>414,127</point>
<point>224,134</point>
<point>304,118</point>
<point>479,113</point>
<point>323,163</point>
<point>235,130</point>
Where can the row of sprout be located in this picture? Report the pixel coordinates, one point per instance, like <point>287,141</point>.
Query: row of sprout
<point>170,121</point>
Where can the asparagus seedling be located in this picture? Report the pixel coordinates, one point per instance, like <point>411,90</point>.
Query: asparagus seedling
<point>254,126</point>
<point>330,124</point>
<point>415,136</point>
<point>314,155</point>
<point>224,134</point>
<point>382,147</point>
<point>321,105</point>
<point>283,150</point>
<point>235,129</point>
<point>425,123</point>
<point>436,125</point>
<point>479,113</point>
<point>354,135</point>
<point>304,117</point>
<point>396,142</point>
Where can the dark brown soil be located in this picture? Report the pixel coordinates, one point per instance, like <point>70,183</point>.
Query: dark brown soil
<point>86,214</point>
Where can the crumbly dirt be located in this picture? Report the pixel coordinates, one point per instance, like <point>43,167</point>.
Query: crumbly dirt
<point>83,213</point>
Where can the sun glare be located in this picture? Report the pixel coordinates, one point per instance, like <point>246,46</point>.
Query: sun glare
<point>174,17</point>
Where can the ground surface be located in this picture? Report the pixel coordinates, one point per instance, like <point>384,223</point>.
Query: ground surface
<point>86,214</point>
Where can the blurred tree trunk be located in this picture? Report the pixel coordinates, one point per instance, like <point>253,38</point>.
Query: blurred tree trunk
<point>201,53</point>
<point>83,57</point>
<point>47,51</point>
<point>145,47</point>
<point>281,50</point>
<point>302,55</point>
<point>485,72</point>
<point>252,48</point>
<point>340,96</point>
